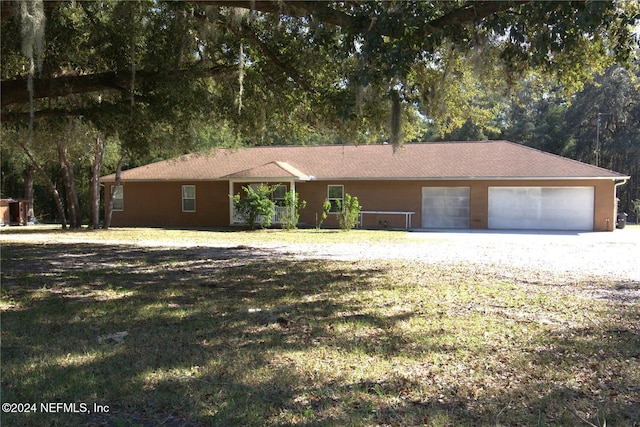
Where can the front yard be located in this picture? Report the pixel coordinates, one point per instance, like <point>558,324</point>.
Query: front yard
<point>239,335</point>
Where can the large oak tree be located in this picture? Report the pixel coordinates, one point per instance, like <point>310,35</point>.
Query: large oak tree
<point>284,67</point>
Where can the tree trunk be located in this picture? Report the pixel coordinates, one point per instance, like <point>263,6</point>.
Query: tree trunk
<point>50,184</point>
<point>96,167</point>
<point>28,191</point>
<point>107,218</point>
<point>70,186</point>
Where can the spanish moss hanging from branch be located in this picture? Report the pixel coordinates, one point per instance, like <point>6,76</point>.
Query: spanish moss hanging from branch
<point>240,79</point>
<point>32,23</point>
<point>396,120</point>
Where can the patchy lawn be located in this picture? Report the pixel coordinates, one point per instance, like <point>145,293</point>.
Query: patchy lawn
<point>239,336</point>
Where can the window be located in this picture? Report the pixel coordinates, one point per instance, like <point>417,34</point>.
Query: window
<point>118,198</point>
<point>188,198</point>
<point>279,194</point>
<point>335,195</point>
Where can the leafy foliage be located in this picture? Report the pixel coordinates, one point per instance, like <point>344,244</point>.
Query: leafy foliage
<point>349,212</point>
<point>304,67</point>
<point>292,204</point>
<point>256,206</point>
<point>326,208</point>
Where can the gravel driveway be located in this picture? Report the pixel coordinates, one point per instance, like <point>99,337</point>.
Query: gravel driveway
<point>563,257</point>
<point>607,265</point>
<point>552,258</point>
<point>607,255</point>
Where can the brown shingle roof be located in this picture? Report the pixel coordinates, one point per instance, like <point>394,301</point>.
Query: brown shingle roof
<point>434,160</point>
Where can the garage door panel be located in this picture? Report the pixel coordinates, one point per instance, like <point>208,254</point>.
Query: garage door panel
<point>445,207</point>
<point>544,208</point>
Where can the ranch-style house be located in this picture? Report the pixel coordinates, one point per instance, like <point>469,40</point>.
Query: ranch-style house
<point>437,185</point>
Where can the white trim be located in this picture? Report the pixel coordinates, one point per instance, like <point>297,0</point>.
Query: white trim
<point>114,189</point>
<point>182,198</point>
<point>474,178</point>
<point>408,178</point>
<point>341,199</point>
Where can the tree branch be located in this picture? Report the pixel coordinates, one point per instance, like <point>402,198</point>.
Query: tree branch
<point>14,91</point>
<point>46,113</point>
<point>467,13</point>
<point>289,70</point>
<point>471,12</point>
<point>295,8</point>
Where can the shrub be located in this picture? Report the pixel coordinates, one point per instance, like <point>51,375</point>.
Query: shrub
<point>293,205</point>
<point>256,205</point>
<point>326,207</point>
<point>350,213</point>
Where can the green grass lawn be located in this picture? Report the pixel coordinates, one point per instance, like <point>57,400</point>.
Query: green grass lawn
<point>231,236</point>
<point>239,337</point>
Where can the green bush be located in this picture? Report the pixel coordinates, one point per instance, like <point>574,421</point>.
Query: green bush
<point>292,215</point>
<point>350,213</point>
<point>256,204</point>
<point>326,207</point>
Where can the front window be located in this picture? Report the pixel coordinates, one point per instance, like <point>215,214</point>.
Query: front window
<point>335,195</point>
<point>188,198</point>
<point>278,192</point>
<point>279,195</point>
<point>118,198</point>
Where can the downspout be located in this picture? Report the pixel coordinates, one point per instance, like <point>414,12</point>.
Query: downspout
<point>615,199</point>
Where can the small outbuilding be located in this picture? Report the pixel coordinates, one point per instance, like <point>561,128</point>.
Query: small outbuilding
<point>476,185</point>
<point>13,212</point>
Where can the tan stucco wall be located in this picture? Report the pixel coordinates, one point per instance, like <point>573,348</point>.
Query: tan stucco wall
<point>160,203</point>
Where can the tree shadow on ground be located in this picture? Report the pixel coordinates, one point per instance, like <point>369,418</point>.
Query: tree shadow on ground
<point>242,336</point>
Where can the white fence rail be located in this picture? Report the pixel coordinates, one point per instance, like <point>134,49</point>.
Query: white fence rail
<point>277,218</point>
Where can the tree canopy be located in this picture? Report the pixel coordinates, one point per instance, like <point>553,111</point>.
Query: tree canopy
<point>357,69</point>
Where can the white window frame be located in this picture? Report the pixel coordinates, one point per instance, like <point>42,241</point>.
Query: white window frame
<point>334,199</point>
<point>118,197</point>
<point>279,201</point>
<point>185,198</point>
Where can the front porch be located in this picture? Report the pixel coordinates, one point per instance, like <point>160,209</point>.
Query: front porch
<point>276,219</point>
<point>275,173</point>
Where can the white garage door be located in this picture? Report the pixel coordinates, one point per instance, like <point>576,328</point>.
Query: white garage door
<point>445,207</point>
<point>541,208</point>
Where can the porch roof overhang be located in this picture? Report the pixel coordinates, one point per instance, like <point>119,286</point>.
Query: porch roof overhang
<point>275,170</point>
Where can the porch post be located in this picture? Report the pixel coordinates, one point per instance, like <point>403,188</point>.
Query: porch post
<point>295,196</point>
<point>230,202</point>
